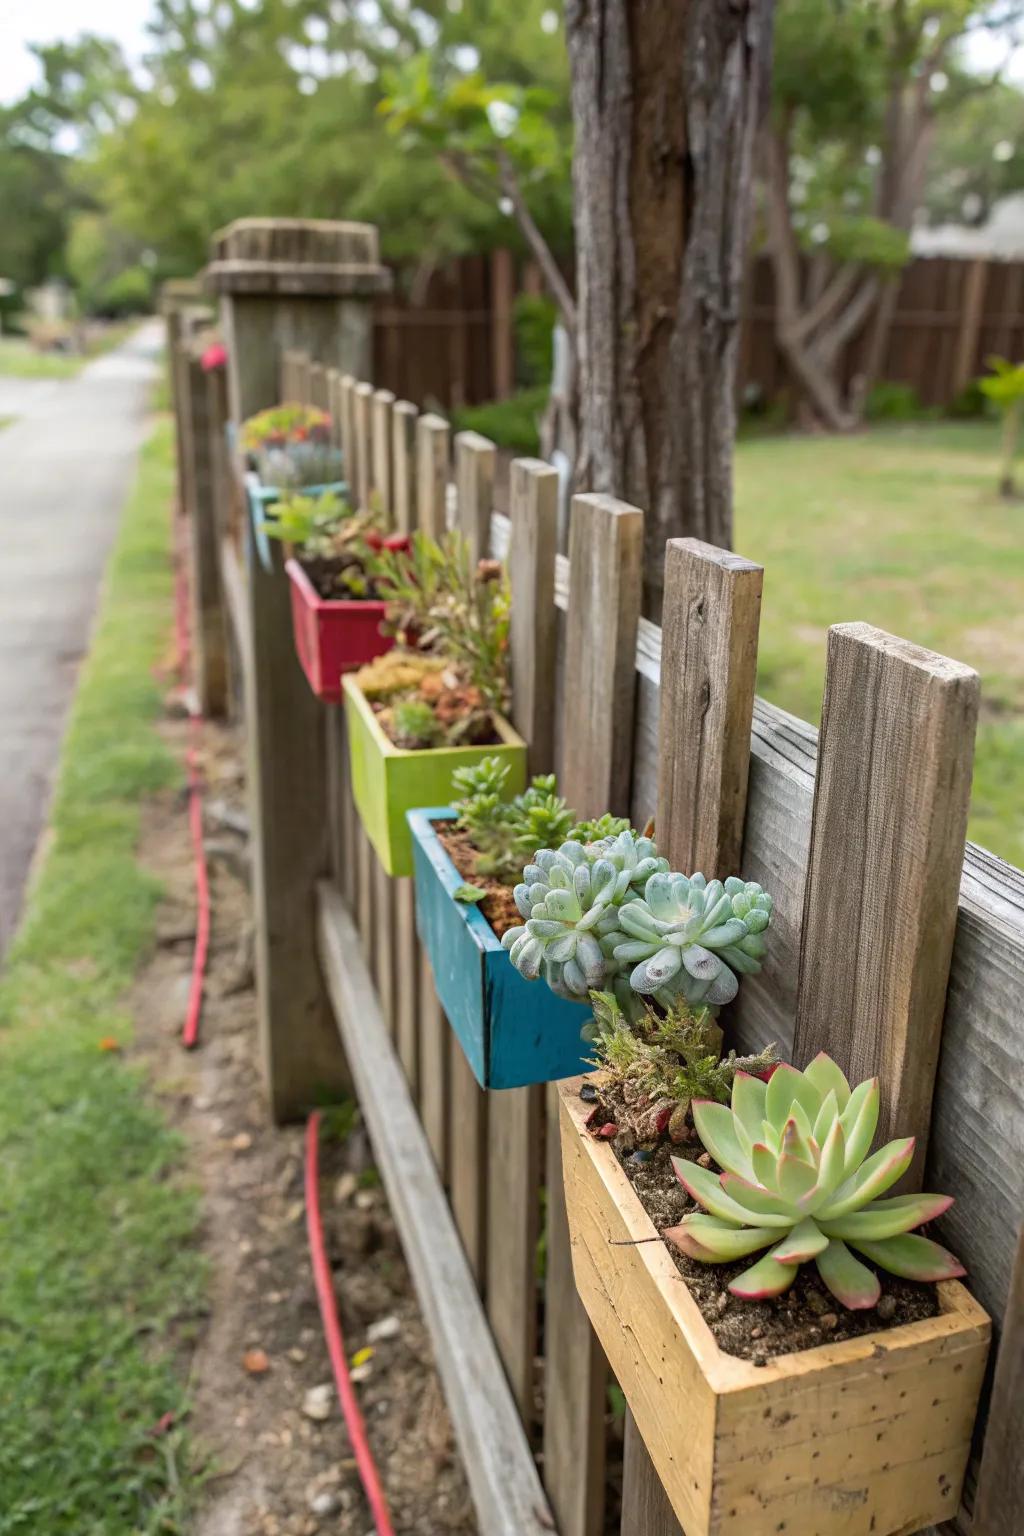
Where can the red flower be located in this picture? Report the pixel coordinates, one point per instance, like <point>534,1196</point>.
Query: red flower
<point>215,356</point>
<point>374,541</point>
<point>397,543</point>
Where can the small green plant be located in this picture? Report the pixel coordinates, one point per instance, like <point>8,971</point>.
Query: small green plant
<point>281,424</point>
<point>597,828</point>
<point>1004,386</point>
<point>505,833</point>
<point>797,1179</point>
<point>663,1061</point>
<point>415,725</point>
<point>337,545</point>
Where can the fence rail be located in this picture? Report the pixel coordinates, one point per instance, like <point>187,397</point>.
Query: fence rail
<point>810,821</point>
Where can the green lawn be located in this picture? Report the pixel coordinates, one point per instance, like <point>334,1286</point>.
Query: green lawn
<point>18,359</point>
<point>99,1277</point>
<point>900,527</point>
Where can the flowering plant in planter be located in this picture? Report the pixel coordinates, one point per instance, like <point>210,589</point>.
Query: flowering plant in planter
<point>290,445</point>
<point>437,701</point>
<point>337,614</point>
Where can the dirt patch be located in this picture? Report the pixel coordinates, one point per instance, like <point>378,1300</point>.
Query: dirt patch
<point>278,1458</point>
<point>807,1315</point>
<point>498,906</point>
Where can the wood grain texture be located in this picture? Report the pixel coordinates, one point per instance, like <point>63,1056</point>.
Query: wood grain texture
<point>434,1055</point>
<point>474,490</point>
<point>887,844</point>
<point>380,433</point>
<point>605,562</point>
<point>209,659</point>
<point>318,386</point>
<point>999,1502</point>
<point>575,1369</point>
<point>432,449</point>
<point>532,635</point>
<point>869,1435</point>
<point>710,619</point>
<point>515,1131</point>
<point>403,465</point>
<point>646,1510</point>
<point>256,332</point>
<point>407,978</point>
<point>502,1475</point>
<point>383,945</point>
<point>362,433</point>
<point>347,427</point>
<point>467,1165</point>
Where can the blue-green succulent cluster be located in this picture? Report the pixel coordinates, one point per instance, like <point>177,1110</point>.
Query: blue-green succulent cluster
<point>610,916</point>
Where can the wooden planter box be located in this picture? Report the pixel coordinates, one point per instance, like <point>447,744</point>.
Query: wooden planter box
<point>333,635</point>
<point>868,1437</point>
<point>388,781</point>
<point>512,1032</point>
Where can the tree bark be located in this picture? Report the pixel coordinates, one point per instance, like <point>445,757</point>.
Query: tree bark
<point>667,96</point>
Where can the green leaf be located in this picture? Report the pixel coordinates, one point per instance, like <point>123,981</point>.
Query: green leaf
<point>468,893</point>
<point>851,1282</point>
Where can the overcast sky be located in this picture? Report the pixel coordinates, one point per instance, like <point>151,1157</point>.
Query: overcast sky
<point>46,21</point>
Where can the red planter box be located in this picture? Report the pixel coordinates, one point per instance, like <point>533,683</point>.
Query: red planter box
<point>333,635</point>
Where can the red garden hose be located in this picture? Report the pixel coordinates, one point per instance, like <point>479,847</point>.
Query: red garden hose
<point>190,1029</point>
<point>368,1474</point>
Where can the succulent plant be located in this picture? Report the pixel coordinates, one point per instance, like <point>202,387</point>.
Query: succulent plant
<point>599,827</point>
<point>687,937</point>
<point>506,832</point>
<point>570,899</point>
<point>797,1179</point>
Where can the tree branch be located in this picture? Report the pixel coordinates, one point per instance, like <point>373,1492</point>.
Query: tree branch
<point>557,285</point>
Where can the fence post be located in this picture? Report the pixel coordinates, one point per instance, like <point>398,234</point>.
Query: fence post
<point>605,583</point>
<point>516,1116</point>
<point>999,1505</point>
<point>380,438</point>
<point>403,465</point>
<point>305,285</point>
<point>710,617</point>
<point>646,1510</point>
<point>883,873</point>
<point>474,490</point>
<point>362,438</point>
<point>209,630</point>
<point>432,436</point>
<point>177,297</point>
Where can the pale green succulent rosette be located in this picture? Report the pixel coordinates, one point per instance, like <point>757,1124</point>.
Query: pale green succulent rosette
<point>798,1181</point>
<point>569,897</point>
<point>686,936</point>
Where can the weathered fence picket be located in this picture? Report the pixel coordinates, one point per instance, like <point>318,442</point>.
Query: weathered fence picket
<point>860,844</point>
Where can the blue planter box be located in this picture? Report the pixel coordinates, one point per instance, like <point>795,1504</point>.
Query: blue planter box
<point>513,1032</point>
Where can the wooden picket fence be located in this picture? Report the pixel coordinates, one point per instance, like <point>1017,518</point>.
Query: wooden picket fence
<point>891,946</point>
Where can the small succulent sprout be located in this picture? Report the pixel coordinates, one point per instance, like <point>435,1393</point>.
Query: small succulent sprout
<point>797,1180</point>
<point>686,936</point>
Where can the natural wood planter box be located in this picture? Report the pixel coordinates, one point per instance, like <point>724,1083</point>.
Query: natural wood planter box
<point>333,635</point>
<point>867,1437</point>
<point>388,781</point>
<point>513,1032</point>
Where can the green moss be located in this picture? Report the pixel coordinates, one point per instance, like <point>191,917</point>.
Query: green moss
<point>95,1221</point>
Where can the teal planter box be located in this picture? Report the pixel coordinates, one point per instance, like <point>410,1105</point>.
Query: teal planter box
<point>512,1032</point>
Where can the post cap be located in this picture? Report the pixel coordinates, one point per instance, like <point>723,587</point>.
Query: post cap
<point>296,257</point>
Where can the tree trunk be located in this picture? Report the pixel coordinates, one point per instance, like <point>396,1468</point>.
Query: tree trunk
<point>667,95</point>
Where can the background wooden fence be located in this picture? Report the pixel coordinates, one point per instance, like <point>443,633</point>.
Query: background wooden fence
<point>456,345</point>
<point>859,838</point>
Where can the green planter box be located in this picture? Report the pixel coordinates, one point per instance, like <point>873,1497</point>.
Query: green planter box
<point>387,781</point>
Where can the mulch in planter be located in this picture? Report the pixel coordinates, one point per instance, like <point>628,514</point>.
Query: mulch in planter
<point>498,906</point>
<point>486,736</point>
<point>806,1316</point>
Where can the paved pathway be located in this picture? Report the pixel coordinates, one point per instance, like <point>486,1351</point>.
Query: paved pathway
<point>66,465</point>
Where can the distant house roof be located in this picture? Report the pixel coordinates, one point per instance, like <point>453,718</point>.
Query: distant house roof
<point>1001,237</point>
